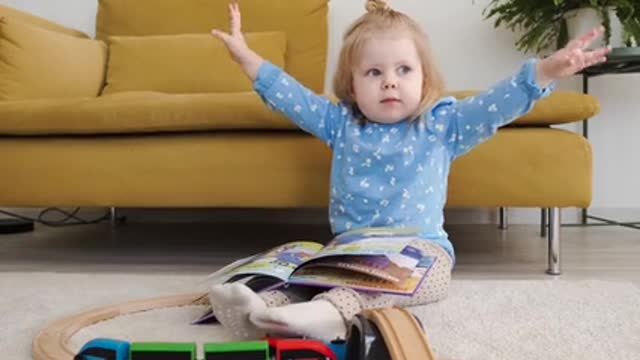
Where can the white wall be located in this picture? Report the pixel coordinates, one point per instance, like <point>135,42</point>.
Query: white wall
<point>474,55</point>
<point>79,14</point>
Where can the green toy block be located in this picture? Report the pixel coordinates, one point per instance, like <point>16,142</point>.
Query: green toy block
<point>241,350</point>
<point>163,351</point>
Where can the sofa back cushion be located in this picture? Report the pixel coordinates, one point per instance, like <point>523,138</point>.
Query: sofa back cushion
<point>184,63</point>
<point>303,21</point>
<point>24,17</point>
<point>39,63</point>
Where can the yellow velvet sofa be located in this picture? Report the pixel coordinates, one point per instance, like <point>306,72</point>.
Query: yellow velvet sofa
<point>153,113</point>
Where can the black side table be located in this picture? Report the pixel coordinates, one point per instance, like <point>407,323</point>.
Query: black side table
<point>620,61</point>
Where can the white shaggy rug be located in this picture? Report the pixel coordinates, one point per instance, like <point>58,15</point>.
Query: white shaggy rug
<point>544,319</point>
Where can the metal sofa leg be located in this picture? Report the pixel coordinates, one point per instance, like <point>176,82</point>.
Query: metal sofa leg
<point>504,218</point>
<point>553,236</point>
<point>544,221</point>
<point>116,218</point>
<point>113,216</point>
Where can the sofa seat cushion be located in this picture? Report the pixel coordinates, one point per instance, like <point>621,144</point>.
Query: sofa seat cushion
<point>524,167</point>
<point>536,167</point>
<point>139,112</point>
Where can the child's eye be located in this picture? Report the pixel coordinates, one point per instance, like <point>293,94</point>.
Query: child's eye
<point>374,72</point>
<point>404,69</point>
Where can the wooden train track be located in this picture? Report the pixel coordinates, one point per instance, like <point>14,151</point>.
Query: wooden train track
<point>52,343</point>
<point>403,335</point>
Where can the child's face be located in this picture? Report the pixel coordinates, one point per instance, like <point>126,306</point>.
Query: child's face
<point>387,78</point>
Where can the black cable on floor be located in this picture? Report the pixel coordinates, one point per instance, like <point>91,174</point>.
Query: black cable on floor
<point>62,222</point>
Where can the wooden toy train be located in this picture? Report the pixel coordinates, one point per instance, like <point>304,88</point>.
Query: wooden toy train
<point>382,334</point>
<point>267,349</point>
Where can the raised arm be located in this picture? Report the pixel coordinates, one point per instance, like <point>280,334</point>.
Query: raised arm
<point>281,92</point>
<point>237,46</point>
<point>461,125</point>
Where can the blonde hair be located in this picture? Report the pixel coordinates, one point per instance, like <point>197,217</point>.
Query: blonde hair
<point>380,17</point>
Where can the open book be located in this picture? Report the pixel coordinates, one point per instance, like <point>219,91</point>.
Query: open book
<point>375,260</point>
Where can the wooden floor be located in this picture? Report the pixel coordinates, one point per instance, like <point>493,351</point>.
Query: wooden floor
<point>483,251</point>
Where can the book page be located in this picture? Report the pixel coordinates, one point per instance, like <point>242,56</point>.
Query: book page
<point>278,262</point>
<point>379,241</point>
<point>379,266</point>
<point>383,253</point>
<point>336,277</point>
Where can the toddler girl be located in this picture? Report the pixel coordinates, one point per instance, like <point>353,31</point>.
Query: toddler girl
<point>394,138</point>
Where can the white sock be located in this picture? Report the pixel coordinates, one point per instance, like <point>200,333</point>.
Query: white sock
<point>317,319</point>
<point>232,303</point>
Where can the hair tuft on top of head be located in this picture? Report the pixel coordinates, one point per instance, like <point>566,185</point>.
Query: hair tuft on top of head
<point>377,5</point>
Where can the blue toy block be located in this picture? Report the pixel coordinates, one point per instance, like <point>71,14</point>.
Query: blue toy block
<point>339,347</point>
<point>104,349</point>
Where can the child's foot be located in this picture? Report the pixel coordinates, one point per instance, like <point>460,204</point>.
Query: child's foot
<point>232,304</point>
<point>317,319</point>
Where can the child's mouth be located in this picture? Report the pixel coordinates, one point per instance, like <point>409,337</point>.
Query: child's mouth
<point>390,100</point>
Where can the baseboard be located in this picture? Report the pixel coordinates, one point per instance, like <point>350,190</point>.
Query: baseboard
<point>522,216</point>
<point>616,214</point>
<point>318,216</point>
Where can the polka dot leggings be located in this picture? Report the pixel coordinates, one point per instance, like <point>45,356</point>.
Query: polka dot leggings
<point>350,302</point>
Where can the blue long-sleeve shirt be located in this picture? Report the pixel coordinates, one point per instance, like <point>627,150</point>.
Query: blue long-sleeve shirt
<point>395,175</point>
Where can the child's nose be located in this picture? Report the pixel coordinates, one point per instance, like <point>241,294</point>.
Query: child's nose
<point>390,85</point>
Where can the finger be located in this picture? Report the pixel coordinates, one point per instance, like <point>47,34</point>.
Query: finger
<point>232,16</point>
<point>592,35</point>
<point>601,52</point>
<point>220,35</point>
<point>596,56</point>
<point>574,44</point>
<point>236,23</point>
<point>590,59</point>
<point>585,40</point>
<point>233,8</point>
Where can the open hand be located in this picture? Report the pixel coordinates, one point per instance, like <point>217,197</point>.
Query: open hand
<point>237,46</point>
<point>572,58</point>
<point>234,40</point>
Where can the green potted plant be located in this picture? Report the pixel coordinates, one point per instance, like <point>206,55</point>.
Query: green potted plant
<point>543,23</point>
